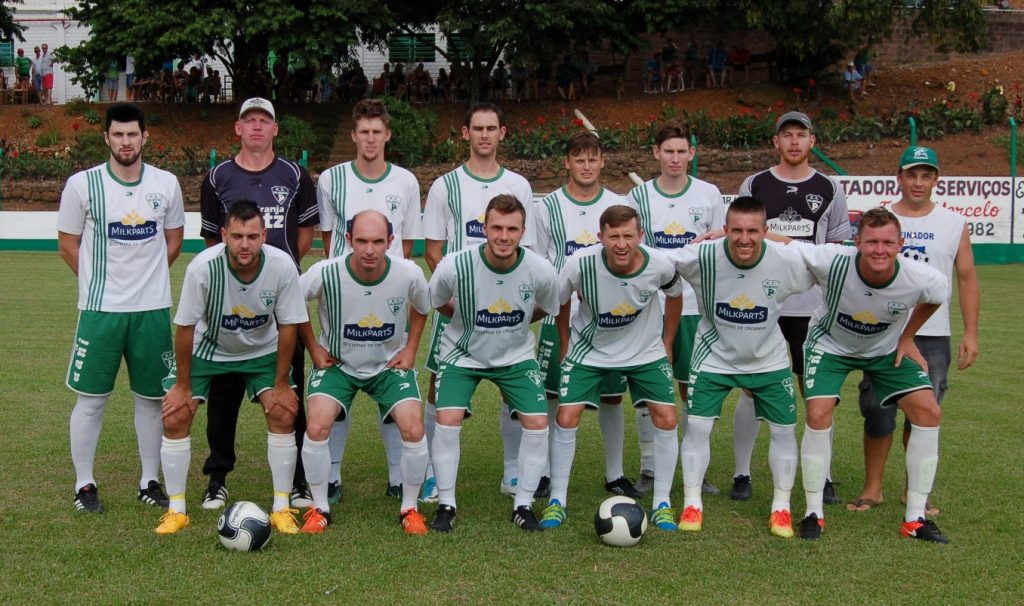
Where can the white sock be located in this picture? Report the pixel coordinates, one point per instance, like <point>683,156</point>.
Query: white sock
<point>175,458</point>
<point>444,453</point>
<point>744,434</point>
<point>831,438</point>
<point>336,443</point>
<point>695,454</point>
<point>666,453</point>
<point>429,421</point>
<point>149,430</point>
<point>511,436</point>
<point>414,467</point>
<point>782,458</point>
<point>316,461</point>
<point>281,454</point>
<point>563,451</point>
<point>552,421</point>
<point>922,461</point>
<point>533,456</point>
<point>392,450</point>
<point>645,438</point>
<point>86,422</point>
<point>612,421</point>
<point>815,458</point>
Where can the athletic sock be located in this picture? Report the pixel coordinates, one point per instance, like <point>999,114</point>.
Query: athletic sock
<point>695,454</point>
<point>413,465</point>
<point>175,458</point>
<point>511,435</point>
<point>782,458</point>
<point>392,439</point>
<point>552,421</point>
<point>562,453</point>
<point>316,460</point>
<point>149,430</point>
<point>444,453</point>
<point>281,454</point>
<point>86,422</point>
<point>666,453</point>
<point>815,458</point>
<point>922,461</point>
<point>533,455</point>
<point>612,420</point>
<point>429,421</point>
<point>744,434</point>
<point>645,438</point>
<point>336,443</point>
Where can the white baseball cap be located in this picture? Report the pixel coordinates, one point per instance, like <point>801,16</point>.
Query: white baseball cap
<point>257,103</point>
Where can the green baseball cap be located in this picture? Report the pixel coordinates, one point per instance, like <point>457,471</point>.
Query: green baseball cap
<point>919,156</point>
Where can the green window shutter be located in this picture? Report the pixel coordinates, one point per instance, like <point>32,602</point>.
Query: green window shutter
<point>411,48</point>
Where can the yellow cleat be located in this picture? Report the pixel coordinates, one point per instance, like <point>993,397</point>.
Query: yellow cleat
<point>171,522</point>
<point>691,520</point>
<point>781,524</point>
<point>283,521</point>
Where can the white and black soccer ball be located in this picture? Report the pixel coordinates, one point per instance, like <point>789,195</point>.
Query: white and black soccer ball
<point>244,526</point>
<point>620,522</point>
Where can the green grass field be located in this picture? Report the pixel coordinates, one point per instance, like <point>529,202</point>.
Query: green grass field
<point>49,553</point>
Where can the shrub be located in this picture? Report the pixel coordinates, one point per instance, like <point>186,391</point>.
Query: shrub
<point>35,121</point>
<point>413,131</point>
<point>92,117</point>
<point>294,135</point>
<point>49,138</point>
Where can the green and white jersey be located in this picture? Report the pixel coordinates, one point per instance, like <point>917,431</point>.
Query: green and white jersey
<point>238,320</point>
<point>620,318</point>
<point>564,225</point>
<point>740,306</point>
<point>859,319</point>
<point>363,323</point>
<point>672,221</point>
<point>490,327</point>
<point>122,260</point>
<point>342,193</point>
<point>454,212</point>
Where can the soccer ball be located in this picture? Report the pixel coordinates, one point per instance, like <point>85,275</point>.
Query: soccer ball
<point>620,522</point>
<point>244,527</point>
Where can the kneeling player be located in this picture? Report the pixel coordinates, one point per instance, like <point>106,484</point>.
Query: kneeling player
<point>365,299</point>
<point>239,308</point>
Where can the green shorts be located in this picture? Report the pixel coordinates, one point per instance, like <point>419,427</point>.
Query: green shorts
<point>774,394</point>
<point>682,347</point>
<point>388,388</point>
<point>613,384</point>
<point>142,338</point>
<point>824,374</point>
<point>520,385</point>
<point>648,383</point>
<point>258,373</point>
<point>435,342</point>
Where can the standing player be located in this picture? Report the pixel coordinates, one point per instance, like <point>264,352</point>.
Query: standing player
<point>492,292</point>
<point>120,227</point>
<point>369,182</point>
<point>239,310</point>
<point>940,238</point>
<point>365,299</point>
<point>619,328</point>
<point>806,205</point>
<point>740,285</point>
<point>284,192</point>
<point>675,208</point>
<point>453,219</point>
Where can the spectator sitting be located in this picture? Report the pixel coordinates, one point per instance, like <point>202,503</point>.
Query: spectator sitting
<point>195,79</point>
<point>716,66</point>
<point>442,85</point>
<point>180,80</point>
<point>652,81</point>
<point>382,83</point>
<point>542,80</point>
<point>358,83</point>
<point>499,81</point>
<point>398,84</point>
<point>739,58</point>
<point>520,77</point>
<point>863,64</point>
<point>565,76</point>
<point>420,82</point>
<point>587,70</point>
<point>852,81</point>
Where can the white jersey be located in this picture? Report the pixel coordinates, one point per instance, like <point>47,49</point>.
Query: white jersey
<point>454,212</point>
<point>674,220</point>
<point>238,320</point>
<point>122,260</point>
<point>858,319</point>
<point>363,324</point>
<point>564,225</point>
<point>934,239</point>
<point>490,327</point>
<point>341,193</point>
<point>620,318</point>
<point>740,306</point>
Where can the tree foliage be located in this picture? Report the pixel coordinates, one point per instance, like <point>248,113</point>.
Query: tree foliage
<point>9,30</point>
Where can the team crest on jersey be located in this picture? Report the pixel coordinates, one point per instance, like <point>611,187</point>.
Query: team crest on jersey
<point>280,193</point>
<point>499,315</point>
<point>132,227</point>
<point>863,323</point>
<point>582,241</point>
<point>741,310</point>
<point>696,214</point>
<point>241,317</point>
<point>369,328</point>
<point>536,377</point>
<point>620,315</point>
<point>666,370</point>
<point>154,200</point>
<point>168,359</point>
<point>814,202</point>
<point>787,384</point>
<point>770,287</point>
<point>674,236</point>
<point>395,304</point>
<point>896,307</point>
<point>645,296</point>
<point>393,202</point>
<point>526,292</point>
<point>475,228</point>
<point>267,298</point>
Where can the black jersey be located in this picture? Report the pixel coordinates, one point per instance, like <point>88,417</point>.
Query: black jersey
<point>811,209</point>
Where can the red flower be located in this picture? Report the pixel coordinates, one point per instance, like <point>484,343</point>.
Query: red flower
<point>522,122</point>
<point>577,122</point>
<point>651,117</point>
<point>74,126</point>
<point>779,103</point>
<point>842,117</point>
<point>546,137</point>
<point>159,148</point>
<point>745,111</point>
<point>14,153</point>
<point>541,120</point>
<point>972,96</point>
<point>797,90</point>
<point>810,83</point>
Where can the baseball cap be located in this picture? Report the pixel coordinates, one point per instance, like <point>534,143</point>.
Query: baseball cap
<point>850,64</point>
<point>257,103</point>
<point>799,117</point>
<point>919,156</point>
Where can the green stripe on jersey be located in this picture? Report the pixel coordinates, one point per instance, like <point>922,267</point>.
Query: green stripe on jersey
<point>332,296</point>
<point>214,307</point>
<point>465,280</point>
<point>708,274</point>
<point>837,273</point>
<point>98,208</point>
<point>557,229</point>
<point>588,288</point>
<point>643,204</point>
<point>338,178</point>
<point>451,183</point>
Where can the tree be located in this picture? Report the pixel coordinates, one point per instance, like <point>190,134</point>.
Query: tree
<point>9,30</point>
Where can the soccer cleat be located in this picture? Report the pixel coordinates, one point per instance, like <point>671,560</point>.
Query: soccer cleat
<point>428,494</point>
<point>444,519</point>
<point>171,522</point>
<point>413,522</point>
<point>553,516</point>
<point>709,488</point>
<point>523,517</point>
<point>741,488</point>
<point>622,487</point>
<point>315,521</point>
<point>510,488</point>
<point>645,483</point>
<point>283,521</point>
<point>216,495</point>
<point>300,497</point>
<point>543,488</point>
<point>333,492</point>
<point>394,491</point>
<point>664,518</point>
<point>923,529</point>
<point>781,524</point>
<point>811,527</point>
<point>691,520</point>
<point>153,494</point>
<point>88,499</point>
<point>829,495</point>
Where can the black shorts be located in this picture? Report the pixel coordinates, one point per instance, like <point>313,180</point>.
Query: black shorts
<point>794,330</point>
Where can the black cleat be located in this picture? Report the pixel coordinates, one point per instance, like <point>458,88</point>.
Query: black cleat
<point>543,488</point>
<point>394,491</point>
<point>829,496</point>
<point>622,486</point>
<point>88,499</point>
<point>334,492</point>
<point>709,488</point>
<point>153,494</point>
<point>523,517</point>
<point>811,527</point>
<point>216,495</point>
<point>741,488</point>
<point>923,529</point>
<point>444,519</point>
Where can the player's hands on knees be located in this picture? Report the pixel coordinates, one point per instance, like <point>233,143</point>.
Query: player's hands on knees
<point>286,398</point>
<point>177,397</point>
<point>968,352</point>
<point>321,357</point>
<point>403,360</point>
<point>907,349</point>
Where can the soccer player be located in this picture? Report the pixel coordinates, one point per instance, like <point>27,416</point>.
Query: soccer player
<point>365,299</point>
<point>119,228</point>
<point>239,310</point>
<point>492,293</point>
<point>806,205</point>
<point>675,208</point>
<point>567,221</point>
<point>369,182</point>
<point>939,237</point>
<point>284,192</point>
<point>873,306</point>
<point>453,219</point>
<point>740,285</point>
<point>619,328</point>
